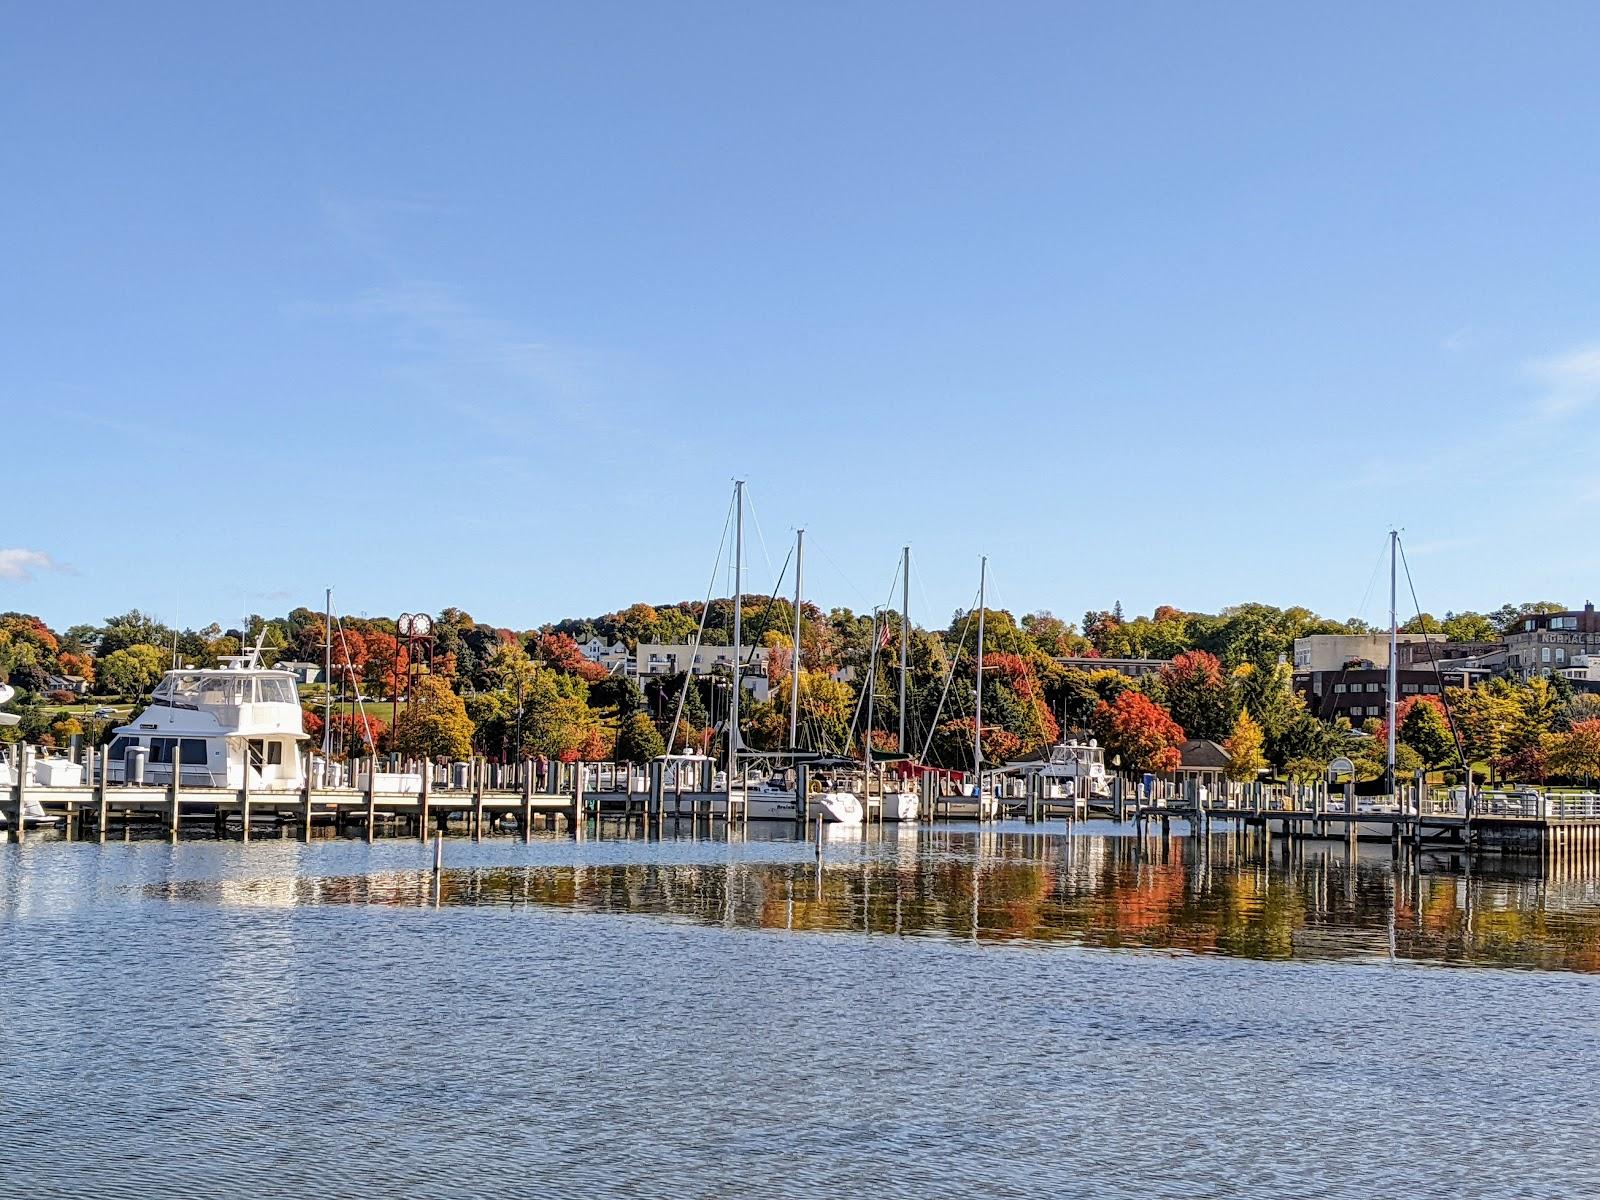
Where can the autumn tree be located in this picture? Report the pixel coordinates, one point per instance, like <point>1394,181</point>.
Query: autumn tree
<point>434,724</point>
<point>1140,732</point>
<point>1575,754</point>
<point>1244,746</point>
<point>1198,695</point>
<point>557,719</point>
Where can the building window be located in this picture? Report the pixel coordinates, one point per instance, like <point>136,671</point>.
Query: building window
<point>1561,655</point>
<point>1544,653</point>
<point>1430,688</point>
<point>1338,689</point>
<point>1372,687</point>
<point>1408,687</point>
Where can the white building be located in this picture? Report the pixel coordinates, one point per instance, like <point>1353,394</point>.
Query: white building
<point>657,658</point>
<point>1583,668</point>
<point>614,657</point>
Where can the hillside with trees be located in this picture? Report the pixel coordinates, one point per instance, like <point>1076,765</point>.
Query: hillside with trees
<point>504,693</point>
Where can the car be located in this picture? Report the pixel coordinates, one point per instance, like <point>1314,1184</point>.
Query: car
<point>104,713</point>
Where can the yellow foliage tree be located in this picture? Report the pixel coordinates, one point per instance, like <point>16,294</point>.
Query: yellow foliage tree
<point>1244,746</point>
<point>434,725</point>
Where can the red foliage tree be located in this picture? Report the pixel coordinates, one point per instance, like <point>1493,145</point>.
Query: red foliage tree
<point>560,652</point>
<point>1141,732</point>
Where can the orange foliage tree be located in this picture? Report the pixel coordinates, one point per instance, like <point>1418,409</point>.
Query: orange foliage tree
<point>1141,732</point>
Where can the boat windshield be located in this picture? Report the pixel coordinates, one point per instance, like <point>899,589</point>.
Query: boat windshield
<point>225,690</point>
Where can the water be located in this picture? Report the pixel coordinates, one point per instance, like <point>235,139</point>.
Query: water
<point>944,1012</point>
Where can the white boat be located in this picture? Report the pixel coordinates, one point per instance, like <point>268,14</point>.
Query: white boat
<point>766,803</point>
<point>901,806</point>
<point>42,771</point>
<point>1072,768</point>
<point>216,727</point>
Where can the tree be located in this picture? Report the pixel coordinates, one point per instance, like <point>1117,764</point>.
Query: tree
<point>133,670</point>
<point>1486,716</point>
<point>132,628</point>
<point>1244,747</point>
<point>638,741</point>
<point>557,719</point>
<point>434,724</point>
<point>1198,696</point>
<point>1576,753</point>
<point>1423,726</point>
<point>1468,627</point>
<point>1140,732</point>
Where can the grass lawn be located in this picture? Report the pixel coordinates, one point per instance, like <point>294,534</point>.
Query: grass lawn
<point>382,710</point>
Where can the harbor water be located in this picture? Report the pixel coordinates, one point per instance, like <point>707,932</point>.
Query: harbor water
<point>1006,1011</point>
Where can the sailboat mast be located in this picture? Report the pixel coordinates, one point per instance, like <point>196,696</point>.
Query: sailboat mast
<point>1394,639</point>
<point>905,634</point>
<point>872,697</point>
<point>977,728</point>
<point>794,660</point>
<point>738,633</point>
<point>327,673</point>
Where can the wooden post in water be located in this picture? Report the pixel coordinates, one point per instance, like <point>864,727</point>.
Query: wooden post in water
<point>173,791</point>
<point>438,867</point>
<point>479,763</point>
<point>19,792</point>
<point>578,815</point>
<point>527,800</point>
<point>305,796</point>
<point>244,803</point>
<point>102,807</point>
<point>372,799</point>
<point>424,800</point>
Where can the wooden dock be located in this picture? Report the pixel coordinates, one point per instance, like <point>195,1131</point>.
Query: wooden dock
<point>93,810</point>
<point>1548,824</point>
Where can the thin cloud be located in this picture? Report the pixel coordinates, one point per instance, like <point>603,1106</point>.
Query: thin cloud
<point>22,565</point>
<point>1569,383</point>
<point>1457,340</point>
<point>455,349</point>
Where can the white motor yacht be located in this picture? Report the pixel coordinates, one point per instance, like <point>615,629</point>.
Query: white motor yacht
<point>217,728</point>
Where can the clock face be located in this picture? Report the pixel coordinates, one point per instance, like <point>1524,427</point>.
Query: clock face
<point>421,625</point>
<point>404,624</point>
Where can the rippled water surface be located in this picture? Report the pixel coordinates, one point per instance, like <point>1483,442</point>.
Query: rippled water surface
<point>927,1012</point>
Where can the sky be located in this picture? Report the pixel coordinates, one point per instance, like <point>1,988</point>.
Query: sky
<point>488,305</point>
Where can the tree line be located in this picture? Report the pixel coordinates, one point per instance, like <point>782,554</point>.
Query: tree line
<point>502,692</point>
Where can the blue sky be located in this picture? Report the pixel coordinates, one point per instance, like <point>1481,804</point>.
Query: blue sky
<point>488,304</point>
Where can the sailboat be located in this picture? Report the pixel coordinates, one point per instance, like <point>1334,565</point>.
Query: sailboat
<point>762,801</point>
<point>974,801</point>
<point>899,799</point>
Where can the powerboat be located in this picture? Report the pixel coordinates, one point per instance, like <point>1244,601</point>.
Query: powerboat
<point>218,728</point>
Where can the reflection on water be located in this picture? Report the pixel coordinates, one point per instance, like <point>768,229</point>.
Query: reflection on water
<point>278,1021</point>
<point>1224,895</point>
